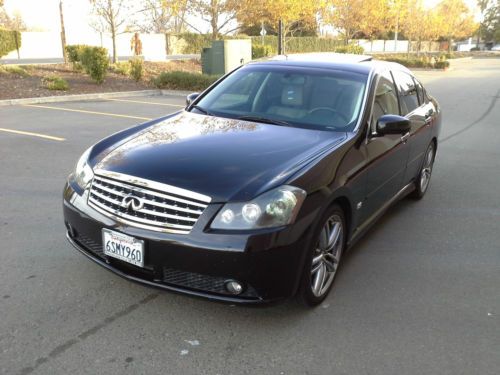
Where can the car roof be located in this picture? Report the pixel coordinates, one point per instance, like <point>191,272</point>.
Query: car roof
<point>364,64</point>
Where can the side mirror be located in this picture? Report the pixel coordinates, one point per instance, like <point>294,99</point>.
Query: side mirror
<point>393,124</point>
<point>191,98</point>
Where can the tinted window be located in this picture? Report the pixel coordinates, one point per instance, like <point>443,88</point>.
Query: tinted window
<point>407,91</point>
<point>323,99</point>
<point>420,92</point>
<point>386,101</point>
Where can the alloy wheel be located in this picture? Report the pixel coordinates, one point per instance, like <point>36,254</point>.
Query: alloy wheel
<point>327,255</point>
<point>425,174</point>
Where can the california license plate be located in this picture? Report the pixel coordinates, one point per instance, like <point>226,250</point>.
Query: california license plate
<point>123,247</point>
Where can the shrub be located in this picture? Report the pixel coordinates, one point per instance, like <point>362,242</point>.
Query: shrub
<point>475,49</point>
<point>184,81</point>
<point>55,83</point>
<point>136,69</point>
<point>122,68</point>
<point>259,51</point>
<point>74,53</point>
<point>95,61</point>
<point>442,64</point>
<point>350,48</point>
<point>8,41</point>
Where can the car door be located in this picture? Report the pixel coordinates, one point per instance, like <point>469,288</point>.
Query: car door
<point>386,155</point>
<point>419,111</point>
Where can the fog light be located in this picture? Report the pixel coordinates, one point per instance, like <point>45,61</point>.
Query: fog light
<point>233,287</point>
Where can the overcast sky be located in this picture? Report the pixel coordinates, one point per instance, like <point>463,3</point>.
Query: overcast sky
<point>44,14</point>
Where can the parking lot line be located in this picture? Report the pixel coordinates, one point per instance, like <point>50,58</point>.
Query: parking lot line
<point>143,102</point>
<point>89,112</point>
<point>33,134</point>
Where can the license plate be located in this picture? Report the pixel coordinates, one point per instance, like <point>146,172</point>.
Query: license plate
<point>123,247</point>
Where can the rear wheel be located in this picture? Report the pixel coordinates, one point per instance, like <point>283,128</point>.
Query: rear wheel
<point>323,259</point>
<point>424,178</point>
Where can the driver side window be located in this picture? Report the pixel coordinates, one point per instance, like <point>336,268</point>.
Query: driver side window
<point>386,100</point>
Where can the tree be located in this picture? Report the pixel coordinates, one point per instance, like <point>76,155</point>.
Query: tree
<point>456,20</point>
<point>111,17</point>
<point>14,22</point>
<point>162,16</point>
<point>355,17</point>
<point>296,15</point>
<point>490,25</point>
<point>63,32</point>
<point>218,13</point>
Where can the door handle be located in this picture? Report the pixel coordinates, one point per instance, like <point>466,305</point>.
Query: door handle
<point>405,137</point>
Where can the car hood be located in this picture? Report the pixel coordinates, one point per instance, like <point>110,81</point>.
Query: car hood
<point>226,159</point>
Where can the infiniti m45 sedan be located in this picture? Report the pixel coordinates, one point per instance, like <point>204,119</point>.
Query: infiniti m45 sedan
<point>255,190</point>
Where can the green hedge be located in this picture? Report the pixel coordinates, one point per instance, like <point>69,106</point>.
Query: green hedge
<point>300,44</point>
<point>178,80</point>
<point>418,62</point>
<point>8,41</point>
<point>260,51</point>
<point>195,42</point>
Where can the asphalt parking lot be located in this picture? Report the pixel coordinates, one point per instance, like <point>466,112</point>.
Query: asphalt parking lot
<point>420,294</point>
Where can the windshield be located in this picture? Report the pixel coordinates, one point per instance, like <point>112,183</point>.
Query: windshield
<point>312,98</point>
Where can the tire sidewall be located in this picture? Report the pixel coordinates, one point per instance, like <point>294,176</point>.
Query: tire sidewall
<point>305,294</point>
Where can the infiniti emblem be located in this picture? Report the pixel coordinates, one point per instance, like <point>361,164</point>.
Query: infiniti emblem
<point>132,202</point>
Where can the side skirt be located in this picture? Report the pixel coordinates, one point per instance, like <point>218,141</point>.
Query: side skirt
<point>363,228</point>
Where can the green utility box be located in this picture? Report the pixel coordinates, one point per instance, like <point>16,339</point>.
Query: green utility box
<point>225,55</point>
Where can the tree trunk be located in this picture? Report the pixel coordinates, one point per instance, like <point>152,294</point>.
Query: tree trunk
<point>113,36</point>
<point>63,32</point>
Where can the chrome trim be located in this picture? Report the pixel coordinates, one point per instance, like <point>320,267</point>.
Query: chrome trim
<point>158,204</point>
<point>138,225</point>
<point>365,99</point>
<point>111,204</point>
<point>150,192</point>
<point>153,185</point>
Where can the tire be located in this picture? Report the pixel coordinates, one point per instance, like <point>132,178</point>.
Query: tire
<point>424,177</point>
<point>323,258</point>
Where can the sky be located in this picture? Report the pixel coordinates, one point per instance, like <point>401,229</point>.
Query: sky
<point>43,15</point>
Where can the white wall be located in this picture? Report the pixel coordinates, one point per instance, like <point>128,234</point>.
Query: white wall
<point>48,45</point>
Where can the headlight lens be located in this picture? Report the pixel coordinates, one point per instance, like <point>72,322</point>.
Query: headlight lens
<point>83,172</point>
<point>275,208</point>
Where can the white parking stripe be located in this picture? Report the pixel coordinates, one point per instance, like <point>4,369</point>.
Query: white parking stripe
<point>52,138</point>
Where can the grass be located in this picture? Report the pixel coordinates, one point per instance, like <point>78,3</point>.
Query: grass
<point>55,83</point>
<point>22,71</point>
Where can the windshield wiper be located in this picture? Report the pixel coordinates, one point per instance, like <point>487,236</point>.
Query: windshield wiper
<point>264,120</point>
<point>202,110</point>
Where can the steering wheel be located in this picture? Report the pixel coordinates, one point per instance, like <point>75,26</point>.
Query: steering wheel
<point>335,112</point>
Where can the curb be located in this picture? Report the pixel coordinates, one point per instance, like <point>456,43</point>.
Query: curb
<point>102,95</point>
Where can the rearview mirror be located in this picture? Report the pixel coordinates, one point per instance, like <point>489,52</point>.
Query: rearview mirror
<point>191,98</point>
<point>393,124</point>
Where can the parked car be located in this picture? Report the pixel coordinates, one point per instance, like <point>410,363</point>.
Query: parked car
<point>255,190</point>
<point>496,47</point>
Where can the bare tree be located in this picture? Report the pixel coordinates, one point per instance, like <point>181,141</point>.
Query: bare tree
<point>218,13</point>
<point>162,17</point>
<point>111,17</point>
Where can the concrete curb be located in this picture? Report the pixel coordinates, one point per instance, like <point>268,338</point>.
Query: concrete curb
<point>100,95</point>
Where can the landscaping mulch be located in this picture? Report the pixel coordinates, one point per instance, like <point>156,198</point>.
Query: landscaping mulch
<point>30,84</point>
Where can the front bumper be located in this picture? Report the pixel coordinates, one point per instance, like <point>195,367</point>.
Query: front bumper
<point>267,263</point>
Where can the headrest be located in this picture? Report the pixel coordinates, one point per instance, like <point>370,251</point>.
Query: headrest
<point>292,95</point>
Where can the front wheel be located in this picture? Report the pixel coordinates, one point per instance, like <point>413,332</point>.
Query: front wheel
<point>323,259</point>
<point>424,178</point>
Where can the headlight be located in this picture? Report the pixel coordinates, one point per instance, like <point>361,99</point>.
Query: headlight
<point>272,209</point>
<point>83,172</point>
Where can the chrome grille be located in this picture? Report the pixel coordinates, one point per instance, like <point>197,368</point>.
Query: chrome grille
<point>155,206</point>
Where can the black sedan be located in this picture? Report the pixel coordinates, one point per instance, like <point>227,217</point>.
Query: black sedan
<point>254,191</point>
